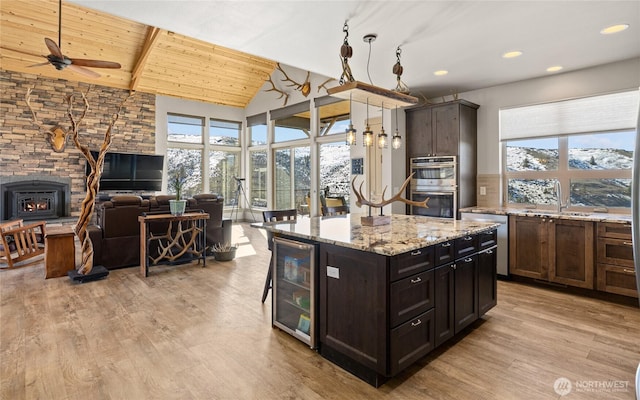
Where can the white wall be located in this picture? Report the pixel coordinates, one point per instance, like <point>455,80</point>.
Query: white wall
<point>591,81</point>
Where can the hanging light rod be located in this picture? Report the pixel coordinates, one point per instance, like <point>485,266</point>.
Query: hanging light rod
<point>376,95</point>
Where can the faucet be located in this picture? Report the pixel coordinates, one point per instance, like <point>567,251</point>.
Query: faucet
<point>559,195</point>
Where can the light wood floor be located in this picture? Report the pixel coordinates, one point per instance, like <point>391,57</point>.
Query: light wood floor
<point>188,332</point>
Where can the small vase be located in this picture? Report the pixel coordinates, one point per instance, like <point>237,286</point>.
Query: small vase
<point>177,206</point>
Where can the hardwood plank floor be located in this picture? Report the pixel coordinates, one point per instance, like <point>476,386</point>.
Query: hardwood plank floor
<point>187,332</point>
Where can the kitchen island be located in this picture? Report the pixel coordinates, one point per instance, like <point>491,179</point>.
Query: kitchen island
<point>382,297</point>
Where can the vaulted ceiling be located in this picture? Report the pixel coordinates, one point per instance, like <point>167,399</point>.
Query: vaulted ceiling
<point>222,51</point>
<point>153,60</point>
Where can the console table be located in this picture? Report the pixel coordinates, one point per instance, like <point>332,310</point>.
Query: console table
<point>185,234</point>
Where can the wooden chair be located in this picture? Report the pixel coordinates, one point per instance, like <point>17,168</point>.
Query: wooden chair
<point>19,242</point>
<point>270,216</point>
<point>336,210</point>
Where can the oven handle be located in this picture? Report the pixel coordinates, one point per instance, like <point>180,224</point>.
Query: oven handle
<point>434,193</point>
<point>432,166</point>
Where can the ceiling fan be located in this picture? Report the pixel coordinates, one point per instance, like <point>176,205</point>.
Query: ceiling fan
<point>60,61</point>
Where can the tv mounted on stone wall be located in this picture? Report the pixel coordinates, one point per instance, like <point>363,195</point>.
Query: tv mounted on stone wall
<point>127,172</point>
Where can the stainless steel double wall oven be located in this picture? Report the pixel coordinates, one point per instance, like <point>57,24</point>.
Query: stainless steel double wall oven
<point>434,178</point>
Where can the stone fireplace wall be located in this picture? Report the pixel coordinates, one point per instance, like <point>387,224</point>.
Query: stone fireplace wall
<point>24,150</point>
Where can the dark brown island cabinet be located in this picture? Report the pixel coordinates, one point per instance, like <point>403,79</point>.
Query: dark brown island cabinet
<point>380,314</point>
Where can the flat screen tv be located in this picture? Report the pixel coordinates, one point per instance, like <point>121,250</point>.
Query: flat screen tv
<point>130,172</point>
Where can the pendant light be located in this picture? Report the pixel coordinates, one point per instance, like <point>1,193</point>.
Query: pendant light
<point>367,135</point>
<point>396,141</point>
<point>382,136</point>
<point>351,132</point>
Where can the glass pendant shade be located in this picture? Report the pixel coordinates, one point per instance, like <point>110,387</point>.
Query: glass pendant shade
<point>367,137</point>
<point>351,135</point>
<point>396,141</point>
<point>382,139</point>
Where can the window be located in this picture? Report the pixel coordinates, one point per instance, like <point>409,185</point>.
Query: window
<point>188,143</point>
<point>585,145</point>
<point>224,168</point>
<point>191,161</point>
<point>258,134</point>
<point>292,177</point>
<point>593,169</point>
<point>185,129</point>
<point>258,178</point>
<point>224,133</point>
<point>335,169</point>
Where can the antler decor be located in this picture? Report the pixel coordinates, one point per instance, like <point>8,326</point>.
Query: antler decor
<point>274,89</point>
<point>304,88</point>
<point>382,219</point>
<point>56,136</point>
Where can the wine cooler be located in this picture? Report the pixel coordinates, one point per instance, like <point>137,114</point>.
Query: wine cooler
<point>293,289</point>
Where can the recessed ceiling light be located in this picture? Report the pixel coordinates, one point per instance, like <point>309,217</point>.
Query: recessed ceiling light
<point>441,72</point>
<point>512,54</point>
<point>614,29</point>
<point>554,68</point>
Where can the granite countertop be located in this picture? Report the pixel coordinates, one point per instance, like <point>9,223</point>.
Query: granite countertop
<point>579,216</point>
<point>404,233</point>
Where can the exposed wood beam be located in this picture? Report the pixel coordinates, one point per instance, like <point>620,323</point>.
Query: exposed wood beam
<point>150,43</point>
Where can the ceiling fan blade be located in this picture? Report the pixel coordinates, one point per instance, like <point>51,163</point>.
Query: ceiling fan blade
<point>38,65</point>
<point>94,63</point>
<point>53,48</point>
<point>84,71</point>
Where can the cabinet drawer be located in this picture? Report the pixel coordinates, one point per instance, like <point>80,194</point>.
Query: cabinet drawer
<point>617,279</point>
<point>411,262</point>
<point>487,239</point>
<point>443,253</point>
<point>613,230</point>
<point>411,341</point>
<point>411,297</point>
<point>615,251</point>
<point>466,246</point>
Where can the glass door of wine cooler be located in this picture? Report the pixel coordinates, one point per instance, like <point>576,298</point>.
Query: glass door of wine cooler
<point>293,289</point>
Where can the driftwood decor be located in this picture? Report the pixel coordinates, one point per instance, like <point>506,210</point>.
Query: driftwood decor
<point>93,179</point>
<point>373,220</point>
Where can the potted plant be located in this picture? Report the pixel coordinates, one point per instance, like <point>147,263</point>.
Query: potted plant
<point>224,251</point>
<point>177,179</point>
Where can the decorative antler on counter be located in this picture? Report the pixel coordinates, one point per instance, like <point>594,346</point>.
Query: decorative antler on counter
<point>381,220</point>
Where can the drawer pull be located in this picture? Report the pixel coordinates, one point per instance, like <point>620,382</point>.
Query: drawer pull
<point>629,271</point>
<point>418,322</point>
<point>627,243</point>
<point>448,244</point>
<point>416,253</point>
<point>417,280</point>
<point>489,251</point>
<point>468,238</point>
<point>468,260</point>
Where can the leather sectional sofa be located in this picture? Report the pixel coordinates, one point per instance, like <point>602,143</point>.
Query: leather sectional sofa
<point>116,234</point>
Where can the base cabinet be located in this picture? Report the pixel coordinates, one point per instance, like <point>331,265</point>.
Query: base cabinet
<point>380,314</point>
<point>487,280</point>
<point>615,266</point>
<point>555,250</point>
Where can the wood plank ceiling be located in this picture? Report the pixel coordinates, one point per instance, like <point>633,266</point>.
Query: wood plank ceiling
<point>153,60</point>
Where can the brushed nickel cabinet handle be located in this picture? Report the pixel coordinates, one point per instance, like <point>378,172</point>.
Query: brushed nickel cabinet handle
<point>417,280</point>
<point>468,238</point>
<point>446,244</point>
<point>468,260</point>
<point>418,322</point>
<point>416,253</point>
